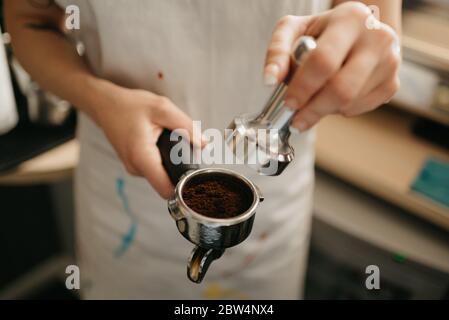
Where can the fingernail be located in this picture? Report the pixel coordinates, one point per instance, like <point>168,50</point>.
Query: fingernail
<point>204,141</point>
<point>271,74</point>
<point>294,130</point>
<point>291,103</point>
<point>301,126</point>
<point>396,47</point>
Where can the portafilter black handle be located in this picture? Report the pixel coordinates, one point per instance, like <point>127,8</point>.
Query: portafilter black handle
<point>165,145</point>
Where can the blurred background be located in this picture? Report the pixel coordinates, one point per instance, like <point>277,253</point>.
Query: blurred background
<point>382,188</point>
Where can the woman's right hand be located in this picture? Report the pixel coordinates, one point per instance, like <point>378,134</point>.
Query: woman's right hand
<point>133,121</point>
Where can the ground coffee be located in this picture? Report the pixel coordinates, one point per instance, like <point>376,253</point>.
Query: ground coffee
<point>217,197</point>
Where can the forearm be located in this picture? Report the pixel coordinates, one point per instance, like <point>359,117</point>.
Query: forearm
<point>390,11</point>
<point>42,48</point>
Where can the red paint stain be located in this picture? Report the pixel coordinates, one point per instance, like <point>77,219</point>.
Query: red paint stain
<point>227,274</point>
<point>263,236</point>
<point>160,75</point>
<point>248,259</point>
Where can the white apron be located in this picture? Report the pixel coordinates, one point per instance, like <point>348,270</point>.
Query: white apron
<point>207,56</point>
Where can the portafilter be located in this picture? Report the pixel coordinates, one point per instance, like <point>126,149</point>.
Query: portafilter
<point>210,235</point>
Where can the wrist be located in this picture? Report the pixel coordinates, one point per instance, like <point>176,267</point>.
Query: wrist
<point>98,97</point>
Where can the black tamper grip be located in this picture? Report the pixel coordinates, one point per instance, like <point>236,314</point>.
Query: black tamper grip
<point>165,145</point>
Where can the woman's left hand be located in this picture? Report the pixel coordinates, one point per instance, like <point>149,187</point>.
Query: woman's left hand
<point>353,70</point>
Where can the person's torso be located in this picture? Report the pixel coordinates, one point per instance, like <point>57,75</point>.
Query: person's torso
<point>207,56</point>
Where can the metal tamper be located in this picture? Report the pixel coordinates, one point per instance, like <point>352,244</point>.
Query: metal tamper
<point>271,126</point>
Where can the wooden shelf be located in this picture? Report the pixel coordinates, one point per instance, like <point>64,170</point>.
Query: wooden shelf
<point>51,166</point>
<point>378,153</point>
<point>425,37</point>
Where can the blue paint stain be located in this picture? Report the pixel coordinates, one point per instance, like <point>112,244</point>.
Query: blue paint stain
<point>129,236</point>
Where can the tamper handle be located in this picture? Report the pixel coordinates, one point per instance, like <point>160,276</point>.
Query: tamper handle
<point>165,145</point>
<point>275,111</point>
<point>304,45</point>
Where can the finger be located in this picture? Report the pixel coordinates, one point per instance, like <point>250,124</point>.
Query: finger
<point>306,119</point>
<point>384,92</point>
<point>338,94</point>
<point>147,161</point>
<point>336,40</point>
<point>277,62</point>
<point>388,65</point>
<point>169,116</point>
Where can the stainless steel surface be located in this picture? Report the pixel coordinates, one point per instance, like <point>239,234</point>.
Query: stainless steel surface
<point>273,156</point>
<point>423,91</point>
<point>44,108</point>
<point>8,109</point>
<point>211,235</point>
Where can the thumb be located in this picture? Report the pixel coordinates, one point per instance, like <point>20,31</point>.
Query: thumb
<point>147,162</point>
<point>287,31</point>
<point>169,116</point>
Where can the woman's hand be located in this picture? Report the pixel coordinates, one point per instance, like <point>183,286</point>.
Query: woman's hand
<point>353,70</point>
<point>133,121</point>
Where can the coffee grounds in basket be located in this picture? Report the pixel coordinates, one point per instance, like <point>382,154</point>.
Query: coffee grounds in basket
<point>217,198</point>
